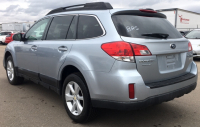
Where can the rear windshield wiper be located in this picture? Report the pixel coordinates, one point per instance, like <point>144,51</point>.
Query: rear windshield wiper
<point>157,35</point>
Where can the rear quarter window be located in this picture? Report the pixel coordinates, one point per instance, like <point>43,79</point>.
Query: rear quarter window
<point>136,26</point>
<point>88,27</point>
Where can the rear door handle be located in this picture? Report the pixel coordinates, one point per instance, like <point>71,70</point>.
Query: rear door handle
<point>34,48</point>
<point>62,48</point>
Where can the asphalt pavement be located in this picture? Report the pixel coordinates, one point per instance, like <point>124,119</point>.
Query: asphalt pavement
<point>32,105</point>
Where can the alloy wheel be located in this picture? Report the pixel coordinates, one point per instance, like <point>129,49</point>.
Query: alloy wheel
<point>74,98</point>
<point>10,70</point>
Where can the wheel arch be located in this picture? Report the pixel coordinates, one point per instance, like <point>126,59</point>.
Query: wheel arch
<point>10,51</point>
<point>7,54</point>
<point>67,70</point>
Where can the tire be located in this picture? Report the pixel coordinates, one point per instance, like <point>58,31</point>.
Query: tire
<point>11,73</point>
<point>88,112</point>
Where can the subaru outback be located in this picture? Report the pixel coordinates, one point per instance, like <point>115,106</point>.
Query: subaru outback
<point>99,57</point>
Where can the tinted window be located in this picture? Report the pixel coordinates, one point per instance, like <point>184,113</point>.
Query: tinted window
<point>137,26</point>
<point>72,30</point>
<point>5,33</point>
<point>36,32</point>
<point>195,34</point>
<point>88,27</point>
<point>59,27</point>
<point>16,37</point>
<point>8,35</point>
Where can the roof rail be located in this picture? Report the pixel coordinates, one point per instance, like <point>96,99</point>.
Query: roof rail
<point>87,6</point>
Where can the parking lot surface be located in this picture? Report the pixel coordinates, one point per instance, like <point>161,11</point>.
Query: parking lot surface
<point>32,105</point>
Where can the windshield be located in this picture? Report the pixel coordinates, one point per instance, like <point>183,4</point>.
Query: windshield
<point>195,34</point>
<point>138,26</point>
<point>4,33</point>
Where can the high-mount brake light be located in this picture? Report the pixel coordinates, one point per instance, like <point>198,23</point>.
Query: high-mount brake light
<point>125,51</point>
<point>148,10</point>
<point>189,46</point>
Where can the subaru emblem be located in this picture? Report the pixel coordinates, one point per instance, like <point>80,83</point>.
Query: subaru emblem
<point>173,46</point>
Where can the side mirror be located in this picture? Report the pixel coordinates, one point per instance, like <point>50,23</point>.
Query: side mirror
<point>18,37</point>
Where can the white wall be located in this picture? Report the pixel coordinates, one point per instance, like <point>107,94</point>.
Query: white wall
<point>17,27</point>
<point>170,16</point>
<point>7,27</point>
<point>187,20</point>
<point>27,25</point>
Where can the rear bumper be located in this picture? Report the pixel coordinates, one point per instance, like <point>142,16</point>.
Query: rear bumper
<point>170,81</point>
<point>144,103</point>
<point>7,41</point>
<point>112,87</point>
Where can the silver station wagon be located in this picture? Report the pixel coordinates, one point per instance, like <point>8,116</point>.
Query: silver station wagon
<point>99,57</point>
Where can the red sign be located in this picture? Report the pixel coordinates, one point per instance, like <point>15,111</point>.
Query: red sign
<point>183,20</point>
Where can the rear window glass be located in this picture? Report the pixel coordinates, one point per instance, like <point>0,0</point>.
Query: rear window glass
<point>8,35</point>
<point>4,33</point>
<point>137,26</point>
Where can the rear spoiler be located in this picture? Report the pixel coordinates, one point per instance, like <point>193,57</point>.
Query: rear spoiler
<point>139,13</point>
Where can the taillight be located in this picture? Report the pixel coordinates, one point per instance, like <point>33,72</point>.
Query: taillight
<point>125,51</point>
<point>119,50</point>
<point>140,50</point>
<point>189,46</point>
<point>131,91</point>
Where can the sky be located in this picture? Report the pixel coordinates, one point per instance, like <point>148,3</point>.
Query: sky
<point>33,10</point>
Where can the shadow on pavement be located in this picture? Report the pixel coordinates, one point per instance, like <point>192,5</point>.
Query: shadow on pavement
<point>154,116</point>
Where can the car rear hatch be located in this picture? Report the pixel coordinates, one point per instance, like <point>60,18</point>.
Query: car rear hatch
<point>167,55</point>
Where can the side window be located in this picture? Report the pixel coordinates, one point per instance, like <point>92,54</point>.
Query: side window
<point>88,27</point>
<point>16,37</point>
<point>72,30</point>
<point>59,27</point>
<point>8,33</point>
<point>36,32</point>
